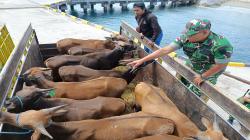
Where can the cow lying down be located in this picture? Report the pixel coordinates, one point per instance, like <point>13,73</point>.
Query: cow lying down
<point>99,60</point>
<point>82,73</point>
<point>65,44</point>
<point>80,50</point>
<point>126,127</point>
<point>154,101</point>
<point>103,86</point>
<point>34,98</point>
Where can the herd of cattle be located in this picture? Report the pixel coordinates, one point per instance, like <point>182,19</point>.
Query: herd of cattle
<point>80,91</point>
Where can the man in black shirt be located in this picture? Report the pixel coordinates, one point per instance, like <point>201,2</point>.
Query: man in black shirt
<point>147,24</point>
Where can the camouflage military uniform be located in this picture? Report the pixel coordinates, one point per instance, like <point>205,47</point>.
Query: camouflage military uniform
<point>202,56</point>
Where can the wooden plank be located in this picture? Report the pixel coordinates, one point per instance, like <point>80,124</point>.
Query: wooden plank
<point>237,110</point>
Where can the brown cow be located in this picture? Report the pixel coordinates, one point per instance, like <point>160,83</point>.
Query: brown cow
<point>81,51</point>
<point>154,101</point>
<point>103,86</point>
<point>126,127</point>
<point>30,98</point>
<point>118,37</point>
<point>98,60</point>
<point>81,73</point>
<point>63,60</point>
<point>65,44</point>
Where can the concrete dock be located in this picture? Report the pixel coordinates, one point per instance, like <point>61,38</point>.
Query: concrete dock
<point>51,26</point>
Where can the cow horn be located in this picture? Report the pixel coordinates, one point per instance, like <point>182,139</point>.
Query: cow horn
<point>52,110</point>
<point>41,128</point>
<point>45,90</point>
<point>215,124</point>
<point>24,85</point>
<point>27,72</point>
<point>44,69</point>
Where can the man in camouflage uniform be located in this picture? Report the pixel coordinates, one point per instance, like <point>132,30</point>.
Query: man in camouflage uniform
<point>208,52</point>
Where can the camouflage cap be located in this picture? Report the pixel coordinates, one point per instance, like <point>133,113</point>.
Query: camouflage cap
<point>196,25</point>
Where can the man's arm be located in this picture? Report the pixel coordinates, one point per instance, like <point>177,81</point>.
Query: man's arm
<point>161,52</point>
<point>213,70</point>
<point>155,26</point>
<point>156,54</point>
<point>222,57</point>
<point>177,44</point>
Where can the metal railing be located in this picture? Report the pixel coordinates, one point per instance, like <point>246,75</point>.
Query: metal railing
<point>13,66</point>
<point>6,46</point>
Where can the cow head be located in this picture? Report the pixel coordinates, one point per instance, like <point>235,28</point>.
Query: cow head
<point>126,46</point>
<point>213,131</point>
<point>117,37</point>
<point>119,40</point>
<point>26,97</point>
<point>109,44</point>
<point>33,74</point>
<point>39,120</point>
<point>130,74</point>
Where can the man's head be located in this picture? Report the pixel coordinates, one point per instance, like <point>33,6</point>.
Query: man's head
<point>139,8</point>
<point>197,30</point>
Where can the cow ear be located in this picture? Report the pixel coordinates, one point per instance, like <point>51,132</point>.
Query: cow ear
<point>52,111</point>
<point>108,38</point>
<point>27,72</point>
<point>207,123</point>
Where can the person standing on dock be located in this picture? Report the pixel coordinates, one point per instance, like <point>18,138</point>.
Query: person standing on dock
<point>147,24</point>
<point>208,52</point>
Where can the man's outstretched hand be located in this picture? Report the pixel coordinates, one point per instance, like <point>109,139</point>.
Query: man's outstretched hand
<point>135,63</point>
